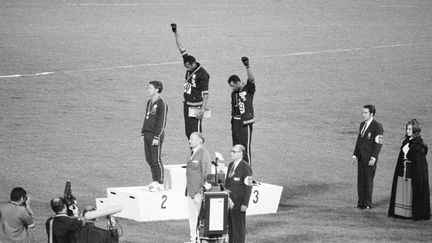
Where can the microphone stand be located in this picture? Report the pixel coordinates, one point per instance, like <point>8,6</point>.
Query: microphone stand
<point>215,163</point>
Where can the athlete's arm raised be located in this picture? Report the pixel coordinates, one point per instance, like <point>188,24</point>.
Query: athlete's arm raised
<point>179,43</point>
<point>250,75</point>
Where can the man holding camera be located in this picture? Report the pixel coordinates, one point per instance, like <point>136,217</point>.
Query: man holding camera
<point>92,234</point>
<point>63,228</point>
<point>16,217</point>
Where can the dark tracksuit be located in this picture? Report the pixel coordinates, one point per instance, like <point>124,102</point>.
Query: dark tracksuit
<point>366,147</point>
<point>242,113</point>
<point>195,86</point>
<point>153,128</point>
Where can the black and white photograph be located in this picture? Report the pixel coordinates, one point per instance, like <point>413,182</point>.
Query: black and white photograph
<point>142,121</point>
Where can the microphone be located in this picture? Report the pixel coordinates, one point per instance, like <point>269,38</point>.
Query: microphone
<point>215,162</point>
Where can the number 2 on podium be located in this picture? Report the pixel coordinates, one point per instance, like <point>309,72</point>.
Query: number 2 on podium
<point>164,199</point>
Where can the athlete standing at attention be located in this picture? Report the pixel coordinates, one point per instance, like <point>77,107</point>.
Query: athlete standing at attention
<point>153,132</point>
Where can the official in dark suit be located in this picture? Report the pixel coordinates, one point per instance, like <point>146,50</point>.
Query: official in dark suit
<point>239,171</point>
<point>367,148</point>
<point>197,168</point>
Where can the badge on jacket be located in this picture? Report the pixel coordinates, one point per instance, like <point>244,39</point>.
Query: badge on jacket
<point>379,139</point>
<point>154,109</point>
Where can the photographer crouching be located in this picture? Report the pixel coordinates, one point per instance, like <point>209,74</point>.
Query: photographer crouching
<point>16,217</point>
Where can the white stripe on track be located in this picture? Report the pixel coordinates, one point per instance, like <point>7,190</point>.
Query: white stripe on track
<point>172,63</point>
<point>338,50</point>
<point>90,69</point>
<point>106,4</point>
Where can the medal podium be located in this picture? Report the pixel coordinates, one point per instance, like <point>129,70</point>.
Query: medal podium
<point>141,205</point>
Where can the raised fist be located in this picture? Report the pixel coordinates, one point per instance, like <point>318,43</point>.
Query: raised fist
<point>174,27</point>
<point>245,61</point>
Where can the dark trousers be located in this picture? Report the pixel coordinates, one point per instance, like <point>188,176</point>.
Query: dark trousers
<point>242,134</point>
<point>153,157</point>
<point>237,226</point>
<point>365,176</point>
<point>191,123</point>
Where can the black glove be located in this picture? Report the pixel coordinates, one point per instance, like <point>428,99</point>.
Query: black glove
<point>245,61</point>
<point>174,27</point>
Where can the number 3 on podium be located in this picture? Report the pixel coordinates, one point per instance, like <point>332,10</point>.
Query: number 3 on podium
<point>255,194</point>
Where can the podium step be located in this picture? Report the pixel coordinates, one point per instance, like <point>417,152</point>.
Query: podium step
<point>142,205</point>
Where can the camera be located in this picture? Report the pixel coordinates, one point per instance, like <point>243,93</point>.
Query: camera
<point>69,199</point>
<point>25,201</point>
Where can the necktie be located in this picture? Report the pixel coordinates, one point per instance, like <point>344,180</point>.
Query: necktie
<point>231,174</point>
<point>364,129</point>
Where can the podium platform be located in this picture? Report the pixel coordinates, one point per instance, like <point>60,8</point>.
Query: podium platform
<point>264,199</point>
<point>142,205</point>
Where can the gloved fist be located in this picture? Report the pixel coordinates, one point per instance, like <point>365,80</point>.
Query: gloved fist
<point>245,61</point>
<point>174,27</point>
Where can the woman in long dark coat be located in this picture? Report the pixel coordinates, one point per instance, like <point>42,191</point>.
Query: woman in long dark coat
<point>413,150</point>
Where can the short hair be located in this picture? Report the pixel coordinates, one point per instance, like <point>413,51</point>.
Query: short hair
<point>17,193</point>
<point>234,78</point>
<point>371,109</point>
<point>157,85</point>
<point>415,127</point>
<point>240,147</point>
<point>199,135</point>
<point>189,58</point>
<point>57,204</point>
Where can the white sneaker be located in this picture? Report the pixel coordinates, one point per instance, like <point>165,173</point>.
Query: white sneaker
<point>152,185</point>
<point>158,188</point>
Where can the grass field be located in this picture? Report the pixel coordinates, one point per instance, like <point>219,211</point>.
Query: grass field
<point>73,78</point>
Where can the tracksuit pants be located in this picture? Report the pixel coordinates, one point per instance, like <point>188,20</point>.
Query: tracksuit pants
<point>191,123</point>
<point>242,134</point>
<point>153,157</point>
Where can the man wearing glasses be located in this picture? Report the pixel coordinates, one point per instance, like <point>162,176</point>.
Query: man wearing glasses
<point>239,172</point>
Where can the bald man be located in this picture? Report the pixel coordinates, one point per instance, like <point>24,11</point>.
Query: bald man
<point>238,171</point>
